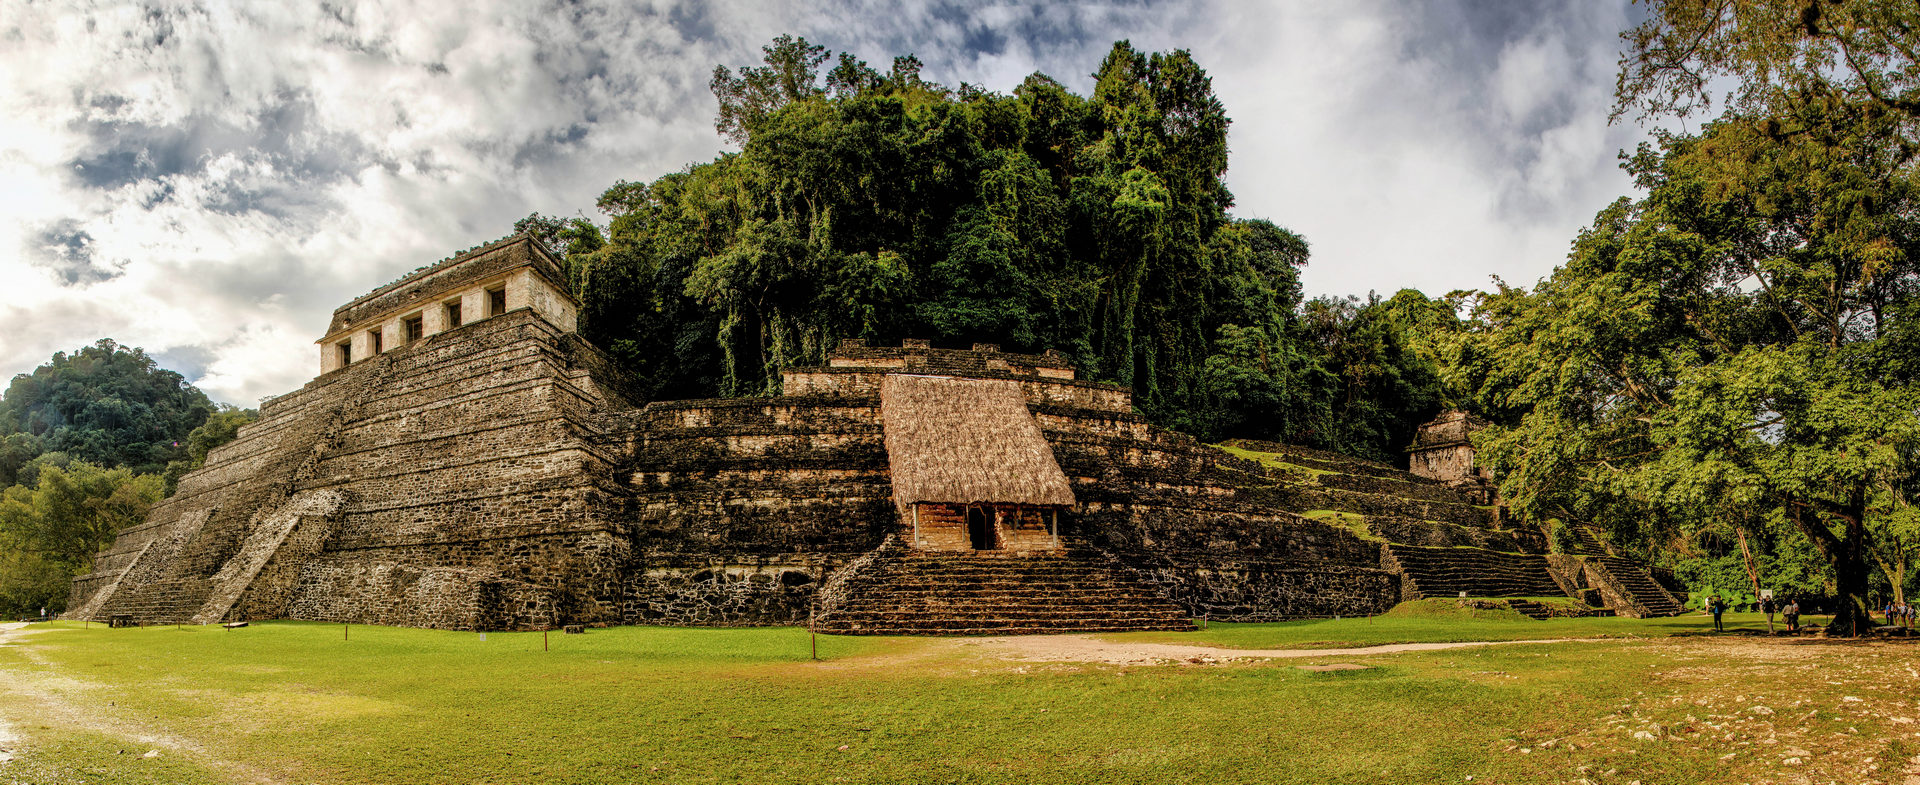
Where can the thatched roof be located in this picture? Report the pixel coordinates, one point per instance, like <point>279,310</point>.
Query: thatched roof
<point>962,441</point>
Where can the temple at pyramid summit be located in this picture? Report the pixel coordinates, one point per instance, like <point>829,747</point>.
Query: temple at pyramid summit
<point>466,460</point>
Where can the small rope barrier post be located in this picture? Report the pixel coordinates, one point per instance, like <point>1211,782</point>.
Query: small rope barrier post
<point>813,636</point>
<point>343,630</point>
<point>543,639</point>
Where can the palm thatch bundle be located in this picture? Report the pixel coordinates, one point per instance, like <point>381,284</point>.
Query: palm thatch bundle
<point>966,441</point>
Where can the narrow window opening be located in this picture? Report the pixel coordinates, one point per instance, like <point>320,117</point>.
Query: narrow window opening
<point>411,329</point>
<point>375,335</point>
<point>497,301</point>
<point>345,350</point>
<point>453,314</point>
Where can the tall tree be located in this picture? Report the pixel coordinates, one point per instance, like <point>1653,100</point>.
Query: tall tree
<point>1732,342</point>
<point>1773,51</point>
<point>50,532</point>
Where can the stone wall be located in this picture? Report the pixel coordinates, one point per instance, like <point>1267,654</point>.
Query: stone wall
<point>741,508</point>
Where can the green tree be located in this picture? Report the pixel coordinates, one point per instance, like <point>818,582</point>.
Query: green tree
<point>50,532</point>
<point>1774,52</point>
<point>106,404</point>
<point>864,204</point>
<point>222,427</point>
<point>1732,342</point>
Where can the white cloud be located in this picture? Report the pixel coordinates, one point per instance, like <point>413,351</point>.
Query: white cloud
<point>221,176</point>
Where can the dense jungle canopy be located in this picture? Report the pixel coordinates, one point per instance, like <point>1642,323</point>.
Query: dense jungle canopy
<point>869,204</point>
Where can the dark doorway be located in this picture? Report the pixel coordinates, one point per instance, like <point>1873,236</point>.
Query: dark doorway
<point>979,529</point>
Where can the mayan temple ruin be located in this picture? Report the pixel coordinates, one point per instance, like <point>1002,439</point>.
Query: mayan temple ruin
<point>465,460</point>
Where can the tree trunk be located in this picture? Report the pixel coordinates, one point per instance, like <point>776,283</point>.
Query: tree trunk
<point>1753,570</point>
<point>1847,555</point>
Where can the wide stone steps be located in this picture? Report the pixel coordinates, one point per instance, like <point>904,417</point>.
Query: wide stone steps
<point>1531,609</point>
<point>943,593</point>
<point>1446,572</point>
<point>1635,579</point>
<point>168,601</point>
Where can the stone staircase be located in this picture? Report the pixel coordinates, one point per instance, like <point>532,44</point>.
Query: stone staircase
<point>917,592</point>
<point>166,601</point>
<point>1586,543</point>
<point>1543,611</point>
<point>1531,609</point>
<point>1634,579</point>
<point>1446,572</point>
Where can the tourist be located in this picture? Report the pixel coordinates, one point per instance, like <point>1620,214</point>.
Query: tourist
<point>1792,615</point>
<point>1716,607</point>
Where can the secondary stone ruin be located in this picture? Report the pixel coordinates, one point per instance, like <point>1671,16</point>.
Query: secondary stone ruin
<point>465,460</point>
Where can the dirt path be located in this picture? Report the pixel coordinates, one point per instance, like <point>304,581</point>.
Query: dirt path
<point>60,702</point>
<point>1081,648</point>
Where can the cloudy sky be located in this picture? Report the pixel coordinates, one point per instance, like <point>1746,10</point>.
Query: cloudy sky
<point>209,180</point>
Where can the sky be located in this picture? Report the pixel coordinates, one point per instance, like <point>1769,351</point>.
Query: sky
<point>209,180</point>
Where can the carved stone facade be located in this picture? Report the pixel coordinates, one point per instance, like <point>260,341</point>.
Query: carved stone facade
<point>465,460</point>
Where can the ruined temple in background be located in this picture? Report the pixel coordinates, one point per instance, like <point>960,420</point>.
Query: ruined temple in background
<point>1442,451</point>
<point>465,460</point>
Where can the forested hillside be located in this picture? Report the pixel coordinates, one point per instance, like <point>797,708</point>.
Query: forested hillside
<point>88,442</point>
<point>871,204</point>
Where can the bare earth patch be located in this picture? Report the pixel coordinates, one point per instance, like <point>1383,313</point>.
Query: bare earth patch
<point>1773,712</point>
<point>1081,648</point>
<point>62,702</point>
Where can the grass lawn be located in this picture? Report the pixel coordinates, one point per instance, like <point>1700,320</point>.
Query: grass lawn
<point>1440,621</point>
<point>293,702</point>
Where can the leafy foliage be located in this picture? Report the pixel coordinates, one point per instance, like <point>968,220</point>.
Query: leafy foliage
<point>82,441</point>
<point>880,205</point>
<point>1860,50</point>
<point>49,532</point>
<point>105,404</point>
<point>1731,348</point>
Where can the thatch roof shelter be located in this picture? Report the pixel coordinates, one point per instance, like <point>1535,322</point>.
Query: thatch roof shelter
<point>966,441</point>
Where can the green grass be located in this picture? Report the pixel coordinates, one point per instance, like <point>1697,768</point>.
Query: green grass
<point>1274,460</point>
<point>1441,620</point>
<point>748,705</point>
<point>1351,521</point>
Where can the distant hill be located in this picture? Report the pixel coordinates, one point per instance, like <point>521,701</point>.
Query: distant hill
<point>106,404</point>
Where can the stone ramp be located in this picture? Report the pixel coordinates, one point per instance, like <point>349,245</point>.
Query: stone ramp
<point>270,559</point>
<point>905,592</point>
<point>1446,572</point>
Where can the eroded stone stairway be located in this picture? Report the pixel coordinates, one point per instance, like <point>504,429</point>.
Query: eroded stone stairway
<point>907,592</point>
<point>1447,572</point>
<point>1631,577</point>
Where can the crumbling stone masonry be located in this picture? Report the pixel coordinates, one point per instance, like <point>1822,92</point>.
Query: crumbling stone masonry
<point>465,460</point>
